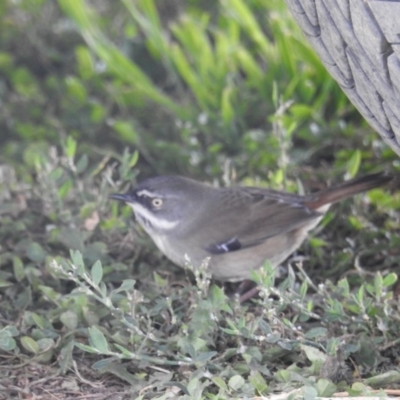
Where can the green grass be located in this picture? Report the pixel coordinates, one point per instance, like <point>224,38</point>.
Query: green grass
<point>225,92</point>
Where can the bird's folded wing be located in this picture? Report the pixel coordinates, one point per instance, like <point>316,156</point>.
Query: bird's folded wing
<point>268,214</point>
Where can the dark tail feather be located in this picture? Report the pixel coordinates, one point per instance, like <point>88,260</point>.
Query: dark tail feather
<point>348,189</point>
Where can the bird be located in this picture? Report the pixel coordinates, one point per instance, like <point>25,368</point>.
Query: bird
<point>235,230</point>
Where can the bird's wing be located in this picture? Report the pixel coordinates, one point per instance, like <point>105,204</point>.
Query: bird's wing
<point>255,216</point>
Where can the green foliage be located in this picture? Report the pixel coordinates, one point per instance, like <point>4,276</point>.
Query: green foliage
<point>240,69</point>
<point>86,302</point>
<point>219,90</point>
<point>257,340</point>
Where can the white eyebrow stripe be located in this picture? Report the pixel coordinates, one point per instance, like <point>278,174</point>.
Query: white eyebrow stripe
<point>146,193</point>
<point>156,222</point>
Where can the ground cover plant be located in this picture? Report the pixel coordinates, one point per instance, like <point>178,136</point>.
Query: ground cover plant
<point>97,95</point>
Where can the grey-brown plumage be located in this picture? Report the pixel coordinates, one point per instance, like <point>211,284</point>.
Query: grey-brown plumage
<point>237,228</point>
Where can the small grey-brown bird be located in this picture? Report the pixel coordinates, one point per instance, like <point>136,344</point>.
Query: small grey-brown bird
<point>237,228</point>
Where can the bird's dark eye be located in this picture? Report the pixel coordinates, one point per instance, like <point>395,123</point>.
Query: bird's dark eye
<point>157,203</point>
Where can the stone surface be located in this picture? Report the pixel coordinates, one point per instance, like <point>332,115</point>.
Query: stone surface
<point>359,43</point>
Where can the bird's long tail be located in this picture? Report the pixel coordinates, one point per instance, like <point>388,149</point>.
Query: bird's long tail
<point>347,189</point>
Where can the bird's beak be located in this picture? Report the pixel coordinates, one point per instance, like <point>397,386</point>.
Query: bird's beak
<point>121,197</point>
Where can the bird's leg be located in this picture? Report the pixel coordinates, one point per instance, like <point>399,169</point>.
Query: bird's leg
<point>247,289</point>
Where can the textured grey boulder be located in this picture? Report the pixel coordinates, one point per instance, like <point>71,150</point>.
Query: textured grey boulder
<point>359,43</point>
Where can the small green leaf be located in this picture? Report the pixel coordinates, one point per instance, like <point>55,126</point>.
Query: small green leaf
<point>39,320</point>
<point>69,319</point>
<point>65,359</point>
<point>123,350</point>
<point>283,375</point>
<point>11,330</point>
<point>86,348</point>
<point>316,356</point>
<point>227,109</point>
<point>356,222</point>
<point>273,337</point>
<point>257,380</point>
<point>266,328</point>
<point>220,383</point>
<point>97,272</point>
<point>316,332</point>
<point>97,112</point>
<point>6,61</point>
<point>378,285</point>
<point>49,292</point>
<point>285,344</point>
<point>65,188</point>
<point>193,388</point>
<point>24,82</point>
<point>389,279</point>
<point>159,280</point>
<point>98,340</point>
<point>56,174</point>
<point>303,289</point>
<point>36,253</point>
<point>383,380</point>
<point>30,344</point>
<point>343,284</point>
<point>82,164</point>
<point>70,147</point>
<point>236,382</point>
<point>301,110</point>
<point>353,164</point>
<point>18,267</point>
<point>103,289</point>
<point>126,131</point>
<point>326,388</point>
<point>127,285</point>
<point>309,393</point>
<point>91,317</point>
<point>360,295</point>
<point>85,62</point>
<point>134,159</point>
<point>45,344</point>
<point>203,357</point>
<point>358,388</point>
<point>7,343</point>
<point>76,89</point>
<point>76,257</point>
<point>317,242</point>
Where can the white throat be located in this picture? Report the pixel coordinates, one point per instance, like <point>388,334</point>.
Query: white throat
<point>156,223</point>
